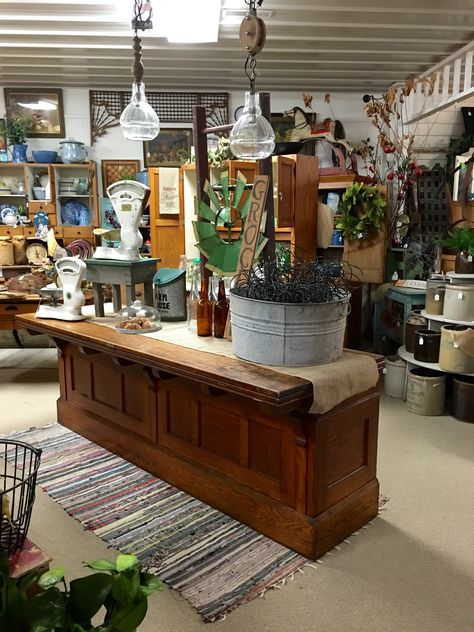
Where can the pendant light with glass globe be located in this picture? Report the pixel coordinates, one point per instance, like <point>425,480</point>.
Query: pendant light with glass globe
<point>139,120</point>
<point>252,137</point>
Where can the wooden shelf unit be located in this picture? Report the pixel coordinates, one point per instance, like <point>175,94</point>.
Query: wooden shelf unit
<point>10,173</point>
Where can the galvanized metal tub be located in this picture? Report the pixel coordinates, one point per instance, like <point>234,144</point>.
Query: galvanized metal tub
<point>287,334</point>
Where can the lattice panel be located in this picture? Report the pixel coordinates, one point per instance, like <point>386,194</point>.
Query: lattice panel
<point>106,107</point>
<point>432,203</point>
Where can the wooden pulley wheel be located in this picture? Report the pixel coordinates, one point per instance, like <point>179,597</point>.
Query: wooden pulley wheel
<point>252,34</point>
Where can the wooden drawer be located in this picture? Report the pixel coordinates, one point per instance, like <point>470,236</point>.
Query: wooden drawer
<point>5,231</point>
<point>58,231</point>
<point>30,231</point>
<point>8,312</point>
<point>77,232</point>
<point>41,205</point>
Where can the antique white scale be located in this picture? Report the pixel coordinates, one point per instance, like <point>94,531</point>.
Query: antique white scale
<point>128,198</point>
<point>71,272</point>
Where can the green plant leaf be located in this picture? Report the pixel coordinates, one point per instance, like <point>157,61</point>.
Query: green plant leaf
<point>47,610</point>
<point>128,620</point>
<point>149,584</point>
<point>124,562</point>
<point>52,577</point>
<point>87,596</point>
<point>101,565</point>
<point>125,587</point>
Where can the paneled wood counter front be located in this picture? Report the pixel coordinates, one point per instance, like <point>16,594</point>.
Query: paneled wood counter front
<point>234,434</point>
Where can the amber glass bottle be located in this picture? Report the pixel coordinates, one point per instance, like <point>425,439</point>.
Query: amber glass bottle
<point>204,310</point>
<point>221,309</point>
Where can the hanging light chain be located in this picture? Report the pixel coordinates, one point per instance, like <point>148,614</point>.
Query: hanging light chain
<point>251,5</point>
<point>137,64</point>
<point>250,70</point>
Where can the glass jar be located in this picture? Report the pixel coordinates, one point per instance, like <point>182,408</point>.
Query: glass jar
<point>137,319</point>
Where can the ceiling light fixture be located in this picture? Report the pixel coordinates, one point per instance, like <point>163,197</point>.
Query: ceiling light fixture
<point>252,137</point>
<point>139,120</point>
<point>189,21</point>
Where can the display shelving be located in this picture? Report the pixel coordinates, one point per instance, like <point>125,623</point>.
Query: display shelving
<point>442,319</point>
<point>434,366</point>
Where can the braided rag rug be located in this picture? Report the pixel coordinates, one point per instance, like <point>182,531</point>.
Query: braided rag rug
<point>213,561</point>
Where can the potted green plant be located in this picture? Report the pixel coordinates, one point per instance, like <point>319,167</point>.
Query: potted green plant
<point>362,211</point>
<point>116,590</point>
<point>462,240</point>
<point>16,129</point>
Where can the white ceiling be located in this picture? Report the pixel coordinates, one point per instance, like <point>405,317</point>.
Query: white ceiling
<point>350,45</point>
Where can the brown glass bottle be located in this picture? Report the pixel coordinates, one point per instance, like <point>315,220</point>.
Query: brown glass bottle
<point>204,310</point>
<point>221,309</point>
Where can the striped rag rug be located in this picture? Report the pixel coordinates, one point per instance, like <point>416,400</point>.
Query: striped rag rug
<point>213,561</point>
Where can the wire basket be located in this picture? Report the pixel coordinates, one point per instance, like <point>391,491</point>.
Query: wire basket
<point>19,464</point>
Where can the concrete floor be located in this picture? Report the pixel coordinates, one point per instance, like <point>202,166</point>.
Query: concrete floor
<point>412,570</point>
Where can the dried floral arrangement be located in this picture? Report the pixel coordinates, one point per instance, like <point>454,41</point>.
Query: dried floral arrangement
<point>393,159</point>
<point>284,281</point>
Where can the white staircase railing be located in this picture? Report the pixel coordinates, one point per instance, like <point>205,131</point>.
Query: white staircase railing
<point>452,81</point>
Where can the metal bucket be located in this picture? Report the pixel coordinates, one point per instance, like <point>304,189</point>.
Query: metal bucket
<point>287,334</point>
<point>17,492</point>
<point>426,391</point>
<point>169,289</point>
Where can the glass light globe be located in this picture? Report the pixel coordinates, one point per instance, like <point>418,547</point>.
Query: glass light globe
<point>252,137</point>
<point>139,121</point>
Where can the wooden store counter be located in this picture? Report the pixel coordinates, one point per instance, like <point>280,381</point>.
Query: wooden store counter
<point>234,434</point>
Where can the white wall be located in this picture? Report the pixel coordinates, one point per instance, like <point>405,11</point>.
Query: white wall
<point>347,107</point>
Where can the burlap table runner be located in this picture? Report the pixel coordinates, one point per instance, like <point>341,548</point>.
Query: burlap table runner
<point>332,383</point>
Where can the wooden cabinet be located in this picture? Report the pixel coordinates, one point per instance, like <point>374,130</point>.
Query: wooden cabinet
<point>60,183</point>
<point>367,255</point>
<point>166,230</point>
<point>284,191</point>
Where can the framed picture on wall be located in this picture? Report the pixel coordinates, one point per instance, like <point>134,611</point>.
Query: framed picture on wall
<point>115,170</point>
<point>43,106</point>
<point>171,148</point>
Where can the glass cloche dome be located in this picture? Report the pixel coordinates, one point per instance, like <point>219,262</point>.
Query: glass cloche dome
<point>137,319</point>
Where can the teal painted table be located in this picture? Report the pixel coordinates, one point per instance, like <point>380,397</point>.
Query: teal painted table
<point>408,300</point>
<point>118,273</point>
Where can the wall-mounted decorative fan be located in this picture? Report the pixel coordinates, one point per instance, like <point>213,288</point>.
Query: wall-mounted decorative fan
<point>220,224</point>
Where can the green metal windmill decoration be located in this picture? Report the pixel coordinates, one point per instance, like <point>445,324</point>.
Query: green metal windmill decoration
<point>227,211</point>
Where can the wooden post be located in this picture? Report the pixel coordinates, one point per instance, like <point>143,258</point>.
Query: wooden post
<point>266,169</point>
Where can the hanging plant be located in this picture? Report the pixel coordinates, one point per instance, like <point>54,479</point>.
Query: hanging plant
<point>363,211</point>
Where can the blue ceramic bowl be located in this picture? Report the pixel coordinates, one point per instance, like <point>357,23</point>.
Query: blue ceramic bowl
<point>44,156</point>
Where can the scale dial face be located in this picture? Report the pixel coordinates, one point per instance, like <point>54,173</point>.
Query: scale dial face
<point>36,252</point>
